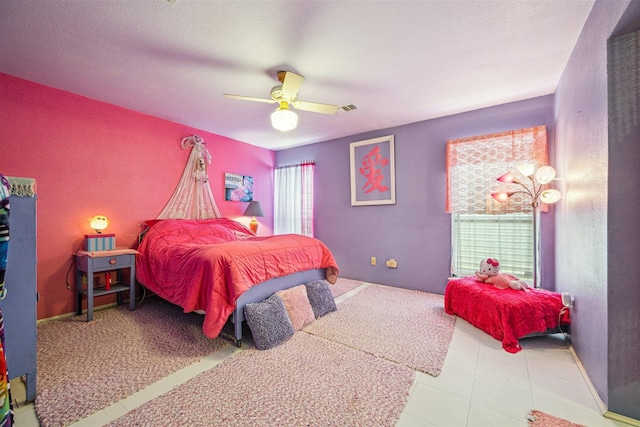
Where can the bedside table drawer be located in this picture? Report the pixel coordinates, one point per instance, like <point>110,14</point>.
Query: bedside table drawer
<point>116,261</point>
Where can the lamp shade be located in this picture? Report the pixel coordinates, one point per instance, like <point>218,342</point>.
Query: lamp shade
<point>98,223</point>
<point>550,196</point>
<point>283,118</point>
<point>526,169</point>
<point>545,174</point>
<point>502,196</point>
<point>254,209</point>
<point>507,177</point>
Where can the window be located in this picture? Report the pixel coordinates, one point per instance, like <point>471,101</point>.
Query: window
<point>293,200</point>
<point>480,227</point>
<point>508,237</point>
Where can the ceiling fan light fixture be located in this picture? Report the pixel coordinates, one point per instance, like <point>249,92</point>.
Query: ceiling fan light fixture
<point>283,118</point>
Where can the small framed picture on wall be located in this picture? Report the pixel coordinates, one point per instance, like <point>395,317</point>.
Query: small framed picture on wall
<point>373,172</point>
<point>238,188</point>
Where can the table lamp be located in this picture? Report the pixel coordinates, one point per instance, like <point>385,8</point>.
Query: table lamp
<point>99,223</point>
<point>254,210</point>
<point>99,241</point>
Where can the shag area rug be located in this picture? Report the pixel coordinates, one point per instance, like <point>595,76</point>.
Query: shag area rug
<point>342,286</point>
<point>540,419</point>
<point>306,381</point>
<point>404,326</point>
<point>85,366</point>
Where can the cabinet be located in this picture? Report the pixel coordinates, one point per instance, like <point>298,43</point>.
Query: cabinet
<point>94,262</point>
<point>19,306</point>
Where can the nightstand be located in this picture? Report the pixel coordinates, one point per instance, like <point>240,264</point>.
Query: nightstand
<point>97,261</point>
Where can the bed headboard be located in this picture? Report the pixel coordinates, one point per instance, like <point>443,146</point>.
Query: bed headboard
<point>142,234</point>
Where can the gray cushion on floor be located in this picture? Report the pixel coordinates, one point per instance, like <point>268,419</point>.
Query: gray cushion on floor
<point>320,297</point>
<point>269,322</point>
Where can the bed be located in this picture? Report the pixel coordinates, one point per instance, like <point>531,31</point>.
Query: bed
<point>506,314</point>
<point>217,266</point>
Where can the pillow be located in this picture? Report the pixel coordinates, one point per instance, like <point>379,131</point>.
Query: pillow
<point>298,307</point>
<point>269,322</point>
<point>151,222</point>
<point>320,297</point>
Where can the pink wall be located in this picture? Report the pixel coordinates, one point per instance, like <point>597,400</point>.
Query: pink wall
<point>89,157</point>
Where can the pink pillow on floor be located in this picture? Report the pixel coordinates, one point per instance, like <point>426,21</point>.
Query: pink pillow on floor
<point>298,306</point>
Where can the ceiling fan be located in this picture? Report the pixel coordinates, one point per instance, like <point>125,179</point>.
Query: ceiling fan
<point>286,95</point>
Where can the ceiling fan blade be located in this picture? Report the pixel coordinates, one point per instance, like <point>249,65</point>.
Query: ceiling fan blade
<point>315,107</point>
<point>291,84</point>
<point>248,98</point>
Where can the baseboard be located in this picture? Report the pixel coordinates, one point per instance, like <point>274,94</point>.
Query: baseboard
<point>592,389</point>
<point>72,314</point>
<point>601,405</point>
<point>622,418</point>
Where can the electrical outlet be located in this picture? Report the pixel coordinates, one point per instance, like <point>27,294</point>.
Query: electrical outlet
<point>373,260</point>
<point>392,263</point>
<point>567,299</point>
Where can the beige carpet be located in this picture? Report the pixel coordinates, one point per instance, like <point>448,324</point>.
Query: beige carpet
<point>342,286</point>
<point>541,419</point>
<point>84,367</point>
<point>404,326</point>
<point>306,381</point>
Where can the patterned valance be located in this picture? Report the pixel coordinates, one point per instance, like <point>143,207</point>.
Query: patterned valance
<point>474,164</point>
<point>24,187</point>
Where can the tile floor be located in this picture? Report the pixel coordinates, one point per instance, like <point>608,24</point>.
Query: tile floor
<point>483,385</point>
<point>480,385</point>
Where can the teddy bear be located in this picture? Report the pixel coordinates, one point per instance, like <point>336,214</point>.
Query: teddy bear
<point>490,273</point>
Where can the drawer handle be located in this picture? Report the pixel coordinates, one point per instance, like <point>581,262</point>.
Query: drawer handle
<point>112,261</point>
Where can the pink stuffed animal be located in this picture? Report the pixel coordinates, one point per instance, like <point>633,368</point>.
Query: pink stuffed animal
<point>490,273</point>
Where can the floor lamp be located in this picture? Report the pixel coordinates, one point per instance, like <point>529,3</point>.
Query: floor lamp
<point>536,191</point>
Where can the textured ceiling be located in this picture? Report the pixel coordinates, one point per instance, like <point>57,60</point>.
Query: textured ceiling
<point>398,62</point>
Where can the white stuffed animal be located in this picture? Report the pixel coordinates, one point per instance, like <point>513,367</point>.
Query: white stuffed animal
<point>490,273</point>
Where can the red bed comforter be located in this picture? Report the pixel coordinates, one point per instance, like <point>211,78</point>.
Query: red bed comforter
<point>505,314</point>
<point>207,264</point>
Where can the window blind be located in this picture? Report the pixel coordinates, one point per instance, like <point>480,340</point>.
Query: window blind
<point>508,237</point>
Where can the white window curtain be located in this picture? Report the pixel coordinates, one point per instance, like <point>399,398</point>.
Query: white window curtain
<point>293,200</point>
<point>480,227</point>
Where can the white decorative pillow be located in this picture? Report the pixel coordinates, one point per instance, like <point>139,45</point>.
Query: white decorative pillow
<point>298,307</point>
<point>269,322</point>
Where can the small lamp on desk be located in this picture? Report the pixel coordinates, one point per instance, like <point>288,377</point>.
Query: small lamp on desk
<point>99,223</point>
<point>254,210</point>
<point>99,241</point>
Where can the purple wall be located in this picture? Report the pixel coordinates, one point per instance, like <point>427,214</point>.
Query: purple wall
<point>581,219</point>
<point>623,291</point>
<point>415,231</point>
